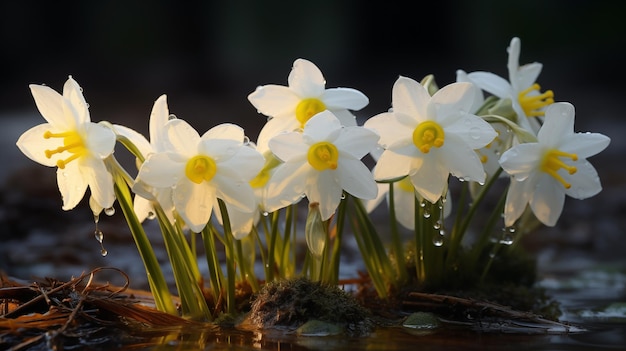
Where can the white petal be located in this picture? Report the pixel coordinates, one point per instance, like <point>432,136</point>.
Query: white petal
<point>240,222</point>
<point>472,130</point>
<point>73,93</point>
<point>559,124</point>
<point>142,208</point>
<point>516,200</point>
<point>514,50</point>
<point>194,202</point>
<point>346,117</point>
<point>274,100</point>
<point>33,145</point>
<point>461,160</point>
<point>289,146</point>
<point>100,181</point>
<point>547,200</point>
<point>323,126</point>
<point>405,206</point>
<point>430,181</point>
<point>371,205</point>
<point>479,98</point>
<point>389,128</point>
<point>355,178</point>
<point>158,118</point>
<point>100,140</point>
<point>50,105</point>
<point>306,80</point>
<point>344,98</point>
<point>160,170</point>
<point>521,159</point>
<point>72,185</point>
<point>184,139</point>
<point>585,144</point>
<point>526,76</point>
<point>219,149</point>
<point>287,185</point>
<point>492,84</point>
<point>225,131</point>
<point>244,165</point>
<point>410,98</point>
<point>451,102</point>
<point>324,189</point>
<point>585,182</point>
<point>274,127</point>
<point>237,193</point>
<point>357,141</point>
<point>392,165</point>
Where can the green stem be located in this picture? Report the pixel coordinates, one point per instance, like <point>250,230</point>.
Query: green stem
<point>247,270</point>
<point>420,268</point>
<point>186,273</point>
<point>216,275</point>
<point>483,238</point>
<point>286,269</point>
<point>257,238</point>
<point>456,241</point>
<point>156,280</point>
<point>395,238</point>
<point>272,246</point>
<point>230,259</point>
<point>332,277</point>
<point>372,249</point>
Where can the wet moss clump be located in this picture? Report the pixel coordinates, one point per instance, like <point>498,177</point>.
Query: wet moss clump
<point>291,303</point>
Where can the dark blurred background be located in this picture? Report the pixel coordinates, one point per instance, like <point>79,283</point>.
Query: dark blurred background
<point>209,55</point>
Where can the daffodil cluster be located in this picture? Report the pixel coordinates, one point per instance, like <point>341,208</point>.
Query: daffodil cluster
<point>480,134</point>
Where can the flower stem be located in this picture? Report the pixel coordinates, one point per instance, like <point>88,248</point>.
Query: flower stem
<point>156,280</point>
<point>215,271</point>
<point>230,259</point>
<point>418,231</point>
<point>460,232</point>
<point>395,238</point>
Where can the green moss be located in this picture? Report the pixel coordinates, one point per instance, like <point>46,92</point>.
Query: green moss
<point>291,303</point>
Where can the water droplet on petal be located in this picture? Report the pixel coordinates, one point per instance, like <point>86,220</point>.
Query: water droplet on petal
<point>474,133</point>
<point>109,211</point>
<point>171,117</point>
<point>151,215</point>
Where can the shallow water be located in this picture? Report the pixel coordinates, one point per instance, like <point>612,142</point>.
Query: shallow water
<point>584,299</point>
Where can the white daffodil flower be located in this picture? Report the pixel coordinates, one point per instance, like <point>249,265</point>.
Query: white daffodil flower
<point>241,221</point>
<point>290,107</point>
<point>404,198</point>
<point>145,194</point>
<point>203,169</point>
<point>321,162</point>
<point>521,88</point>
<point>428,138</point>
<point>71,142</point>
<point>542,173</point>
